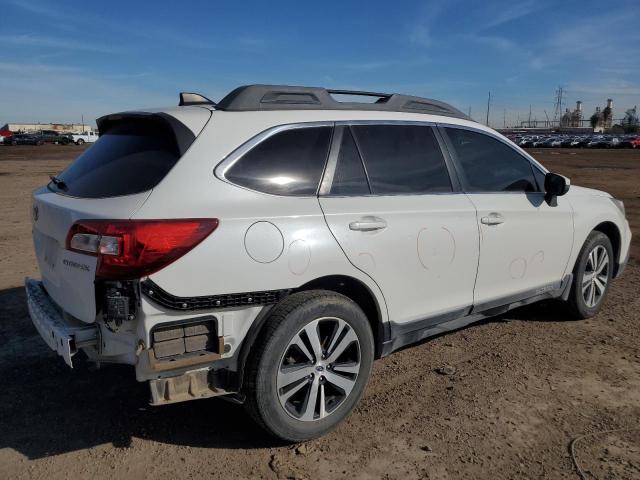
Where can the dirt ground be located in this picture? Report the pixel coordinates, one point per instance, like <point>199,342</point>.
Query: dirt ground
<point>525,385</point>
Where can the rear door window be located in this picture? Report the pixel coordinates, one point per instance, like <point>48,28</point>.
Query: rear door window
<point>489,165</point>
<point>290,162</point>
<point>402,159</point>
<point>130,157</point>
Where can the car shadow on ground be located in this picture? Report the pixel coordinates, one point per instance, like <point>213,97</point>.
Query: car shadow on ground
<point>49,409</point>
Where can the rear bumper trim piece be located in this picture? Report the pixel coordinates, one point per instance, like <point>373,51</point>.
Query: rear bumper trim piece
<point>62,338</point>
<point>246,299</point>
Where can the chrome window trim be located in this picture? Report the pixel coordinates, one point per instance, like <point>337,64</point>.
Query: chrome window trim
<point>229,161</point>
<point>386,122</point>
<point>500,138</point>
<point>333,157</point>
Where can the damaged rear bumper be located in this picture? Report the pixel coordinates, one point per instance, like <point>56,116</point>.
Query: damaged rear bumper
<point>62,337</point>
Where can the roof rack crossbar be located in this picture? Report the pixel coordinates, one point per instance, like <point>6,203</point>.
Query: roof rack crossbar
<point>359,93</point>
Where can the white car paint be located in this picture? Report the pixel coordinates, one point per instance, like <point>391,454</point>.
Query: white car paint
<point>435,255</point>
<point>528,249</point>
<point>426,257</point>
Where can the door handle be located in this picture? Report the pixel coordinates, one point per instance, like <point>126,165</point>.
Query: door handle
<point>492,219</point>
<point>368,224</point>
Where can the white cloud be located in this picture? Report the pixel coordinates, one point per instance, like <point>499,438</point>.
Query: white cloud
<point>511,12</point>
<point>41,92</point>
<point>29,40</point>
<point>606,40</point>
<point>421,36</point>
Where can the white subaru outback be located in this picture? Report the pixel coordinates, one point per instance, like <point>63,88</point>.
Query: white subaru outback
<point>267,248</point>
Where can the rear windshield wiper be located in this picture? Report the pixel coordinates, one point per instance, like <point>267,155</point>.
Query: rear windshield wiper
<point>58,182</point>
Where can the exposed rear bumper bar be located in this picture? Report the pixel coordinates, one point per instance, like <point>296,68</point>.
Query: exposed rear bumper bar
<point>61,336</point>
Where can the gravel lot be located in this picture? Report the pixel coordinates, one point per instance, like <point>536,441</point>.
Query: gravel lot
<point>523,385</point>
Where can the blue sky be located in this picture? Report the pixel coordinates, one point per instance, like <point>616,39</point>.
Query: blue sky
<point>64,59</point>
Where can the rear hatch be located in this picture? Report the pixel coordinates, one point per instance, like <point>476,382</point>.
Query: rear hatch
<point>110,180</point>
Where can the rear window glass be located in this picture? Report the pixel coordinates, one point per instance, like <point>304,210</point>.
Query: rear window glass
<point>128,158</point>
<point>287,163</point>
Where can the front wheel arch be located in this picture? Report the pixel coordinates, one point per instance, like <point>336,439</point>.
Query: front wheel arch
<point>611,230</point>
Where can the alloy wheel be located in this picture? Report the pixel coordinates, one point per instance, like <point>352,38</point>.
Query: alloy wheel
<point>596,276</point>
<point>318,369</point>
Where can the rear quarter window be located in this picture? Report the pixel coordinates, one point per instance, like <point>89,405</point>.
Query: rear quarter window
<point>130,157</point>
<point>290,162</point>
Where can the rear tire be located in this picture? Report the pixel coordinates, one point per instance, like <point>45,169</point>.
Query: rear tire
<point>80,141</point>
<point>301,385</point>
<point>591,276</point>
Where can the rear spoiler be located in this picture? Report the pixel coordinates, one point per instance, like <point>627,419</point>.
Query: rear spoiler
<point>184,136</point>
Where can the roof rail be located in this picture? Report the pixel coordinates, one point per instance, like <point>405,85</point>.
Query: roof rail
<point>285,97</point>
<point>187,98</point>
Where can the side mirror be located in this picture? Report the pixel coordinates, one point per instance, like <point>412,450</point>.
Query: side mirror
<point>555,186</point>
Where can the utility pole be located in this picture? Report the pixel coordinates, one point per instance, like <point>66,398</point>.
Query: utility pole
<point>469,111</point>
<point>83,123</point>
<point>529,115</point>
<point>504,118</point>
<point>488,107</point>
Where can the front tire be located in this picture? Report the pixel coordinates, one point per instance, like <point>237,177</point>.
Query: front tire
<point>310,365</point>
<point>80,141</point>
<point>591,276</point>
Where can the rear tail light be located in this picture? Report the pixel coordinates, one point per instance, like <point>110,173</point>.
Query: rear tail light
<point>130,249</point>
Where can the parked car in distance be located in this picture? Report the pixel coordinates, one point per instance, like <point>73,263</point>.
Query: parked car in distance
<point>52,136</point>
<point>23,139</point>
<point>5,134</point>
<point>598,142</point>
<point>566,142</point>
<point>269,247</point>
<point>86,137</point>
<point>563,140</point>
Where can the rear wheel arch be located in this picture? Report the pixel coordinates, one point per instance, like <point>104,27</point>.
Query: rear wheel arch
<point>350,287</point>
<point>362,295</point>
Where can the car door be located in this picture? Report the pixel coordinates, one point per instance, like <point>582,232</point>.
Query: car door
<point>389,201</point>
<point>525,242</point>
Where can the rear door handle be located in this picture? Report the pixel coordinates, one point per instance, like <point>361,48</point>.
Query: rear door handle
<point>368,224</point>
<point>492,219</point>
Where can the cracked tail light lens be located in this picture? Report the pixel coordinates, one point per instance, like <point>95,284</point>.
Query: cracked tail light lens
<point>131,249</point>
